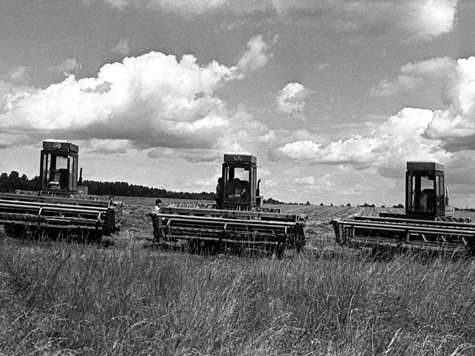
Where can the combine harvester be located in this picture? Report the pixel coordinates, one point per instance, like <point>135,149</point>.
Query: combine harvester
<point>428,223</point>
<point>61,207</point>
<point>235,223</point>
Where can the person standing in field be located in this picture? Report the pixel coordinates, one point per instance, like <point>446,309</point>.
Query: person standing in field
<point>157,205</point>
<point>219,193</point>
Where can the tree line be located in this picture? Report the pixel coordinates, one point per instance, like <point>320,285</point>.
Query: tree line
<point>11,182</point>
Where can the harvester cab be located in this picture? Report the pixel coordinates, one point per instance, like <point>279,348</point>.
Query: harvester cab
<point>426,194</point>
<point>59,168</point>
<point>240,186</point>
<point>428,223</point>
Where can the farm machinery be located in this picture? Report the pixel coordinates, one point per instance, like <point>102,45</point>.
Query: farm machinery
<point>61,206</point>
<point>428,223</point>
<point>237,222</point>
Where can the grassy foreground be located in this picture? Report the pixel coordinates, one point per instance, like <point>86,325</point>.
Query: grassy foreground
<point>59,299</point>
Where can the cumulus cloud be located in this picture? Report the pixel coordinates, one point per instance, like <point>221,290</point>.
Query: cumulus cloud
<point>414,74</point>
<point>255,56</point>
<point>268,136</point>
<point>152,100</point>
<point>146,102</point>
<point>289,99</point>
<point>270,183</point>
<point>321,184</point>
<point>399,139</point>
<point>443,136</point>
<point>415,19</point>
<point>197,7</point>
<point>193,6</point>
<point>165,152</point>
<point>8,92</point>
<point>189,155</point>
<point>122,47</point>
<point>107,146</point>
<point>68,66</point>
<point>454,126</point>
<point>430,18</point>
<point>310,180</point>
<point>19,74</point>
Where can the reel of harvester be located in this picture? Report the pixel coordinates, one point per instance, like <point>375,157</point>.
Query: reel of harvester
<point>37,216</point>
<point>427,225</point>
<point>447,238</point>
<point>219,231</point>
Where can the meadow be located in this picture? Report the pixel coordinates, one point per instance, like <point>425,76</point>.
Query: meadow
<point>130,299</point>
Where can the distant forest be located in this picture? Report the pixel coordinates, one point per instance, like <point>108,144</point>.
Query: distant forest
<point>13,181</point>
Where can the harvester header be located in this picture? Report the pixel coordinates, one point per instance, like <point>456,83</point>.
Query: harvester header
<point>236,222</point>
<point>61,206</point>
<point>427,224</point>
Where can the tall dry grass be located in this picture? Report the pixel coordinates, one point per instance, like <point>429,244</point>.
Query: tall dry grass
<point>58,299</point>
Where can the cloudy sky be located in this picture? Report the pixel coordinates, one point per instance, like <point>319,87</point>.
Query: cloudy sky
<point>332,96</point>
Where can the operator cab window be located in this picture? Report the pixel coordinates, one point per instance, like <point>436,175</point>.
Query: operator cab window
<point>422,193</point>
<point>237,185</point>
<point>56,172</point>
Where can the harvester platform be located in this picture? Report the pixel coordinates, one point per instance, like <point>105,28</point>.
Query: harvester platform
<point>35,214</point>
<point>406,234</point>
<point>220,230</point>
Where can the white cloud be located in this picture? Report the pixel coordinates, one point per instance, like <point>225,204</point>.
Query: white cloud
<point>414,74</point>
<point>107,146</point>
<point>268,137</point>
<point>445,136</point>
<point>189,155</point>
<point>454,126</point>
<point>270,183</point>
<point>161,153</point>
<point>151,101</point>
<point>323,66</point>
<point>8,93</point>
<point>414,19</point>
<point>68,66</point>
<point>122,47</point>
<point>310,180</point>
<point>316,185</point>
<point>399,139</point>
<point>190,6</point>
<point>289,98</point>
<point>19,74</point>
<point>388,88</point>
<point>119,4</point>
<point>196,7</point>
<point>256,55</point>
<point>430,18</point>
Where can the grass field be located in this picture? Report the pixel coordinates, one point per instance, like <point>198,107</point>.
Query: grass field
<point>67,299</point>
